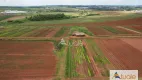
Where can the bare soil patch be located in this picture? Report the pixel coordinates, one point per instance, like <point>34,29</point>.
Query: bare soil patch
<point>15,18</point>
<point>124,31</point>
<point>53,32</point>
<point>99,31</point>
<point>136,42</point>
<point>24,59</point>
<point>121,54</point>
<point>138,27</point>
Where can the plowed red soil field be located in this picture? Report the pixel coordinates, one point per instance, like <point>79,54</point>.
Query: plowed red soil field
<point>46,32</point>
<point>137,27</point>
<point>135,21</point>
<point>122,54</point>
<point>91,25</point>
<point>124,31</point>
<point>136,43</point>
<point>15,18</point>
<point>99,31</point>
<point>25,60</point>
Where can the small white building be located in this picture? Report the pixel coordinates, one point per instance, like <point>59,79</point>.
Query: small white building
<point>13,12</point>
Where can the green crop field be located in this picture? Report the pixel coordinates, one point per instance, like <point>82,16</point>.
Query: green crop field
<point>75,57</point>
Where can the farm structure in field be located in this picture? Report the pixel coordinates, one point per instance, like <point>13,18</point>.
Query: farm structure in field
<point>78,34</point>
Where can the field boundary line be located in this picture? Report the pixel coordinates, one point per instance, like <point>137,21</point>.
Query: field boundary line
<point>129,29</point>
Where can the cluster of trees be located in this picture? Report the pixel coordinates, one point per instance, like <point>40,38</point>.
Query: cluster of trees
<point>41,17</point>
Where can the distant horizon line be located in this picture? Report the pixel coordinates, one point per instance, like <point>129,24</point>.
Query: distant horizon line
<point>66,5</point>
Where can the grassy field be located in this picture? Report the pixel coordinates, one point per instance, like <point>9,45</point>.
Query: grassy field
<point>3,17</point>
<point>60,32</point>
<point>16,31</point>
<point>84,19</point>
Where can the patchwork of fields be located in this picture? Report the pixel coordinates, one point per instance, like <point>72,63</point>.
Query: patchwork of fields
<point>105,46</point>
<point>123,53</point>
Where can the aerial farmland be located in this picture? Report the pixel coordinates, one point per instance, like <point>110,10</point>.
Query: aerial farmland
<point>69,42</point>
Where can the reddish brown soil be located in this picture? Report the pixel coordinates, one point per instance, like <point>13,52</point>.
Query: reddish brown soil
<point>30,60</point>
<point>53,32</point>
<point>99,31</point>
<point>135,21</point>
<point>121,54</point>
<point>40,32</point>
<point>66,33</point>
<point>92,25</point>
<point>135,42</point>
<point>15,18</point>
<point>137,27</point>
<point>124,31</point>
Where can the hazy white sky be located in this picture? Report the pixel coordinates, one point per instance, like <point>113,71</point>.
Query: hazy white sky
<point>68,2</point>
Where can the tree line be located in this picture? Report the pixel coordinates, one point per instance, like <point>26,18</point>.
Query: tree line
<point>44,17</point>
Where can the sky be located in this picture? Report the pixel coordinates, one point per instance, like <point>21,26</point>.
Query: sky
<point>68,2</point>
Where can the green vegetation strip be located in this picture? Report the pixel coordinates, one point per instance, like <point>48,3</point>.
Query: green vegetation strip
<point>3,17</point>
<point>90,71</point>
<point>80,29</point>
<point>99,56</point>
<point>61,32</point>
<point>70,63</point>
<point>16,31</point>
<point>115,31</point>
<point>79,55</point>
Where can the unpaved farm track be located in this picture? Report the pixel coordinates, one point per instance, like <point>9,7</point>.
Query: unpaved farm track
<point>122,55</point>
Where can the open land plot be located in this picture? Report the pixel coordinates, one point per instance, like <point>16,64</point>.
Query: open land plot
<point>125,30</point>
<point>78,63</point>
<point>42,32</point>
<point>14,18</point>
<point>101,64</point>
<point>28,31</point>
<point>122,54</point>
<point>63,32</point>
<point>136,27</point>
<point>26,60</point>
<point>111,29</point>
<point>119,30</point>
<point>16,31</point>
<point>81,20</point>
<point>93,26</point>
<point>3,17</point>
<point>136,42</point>
<point>99,31</point>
